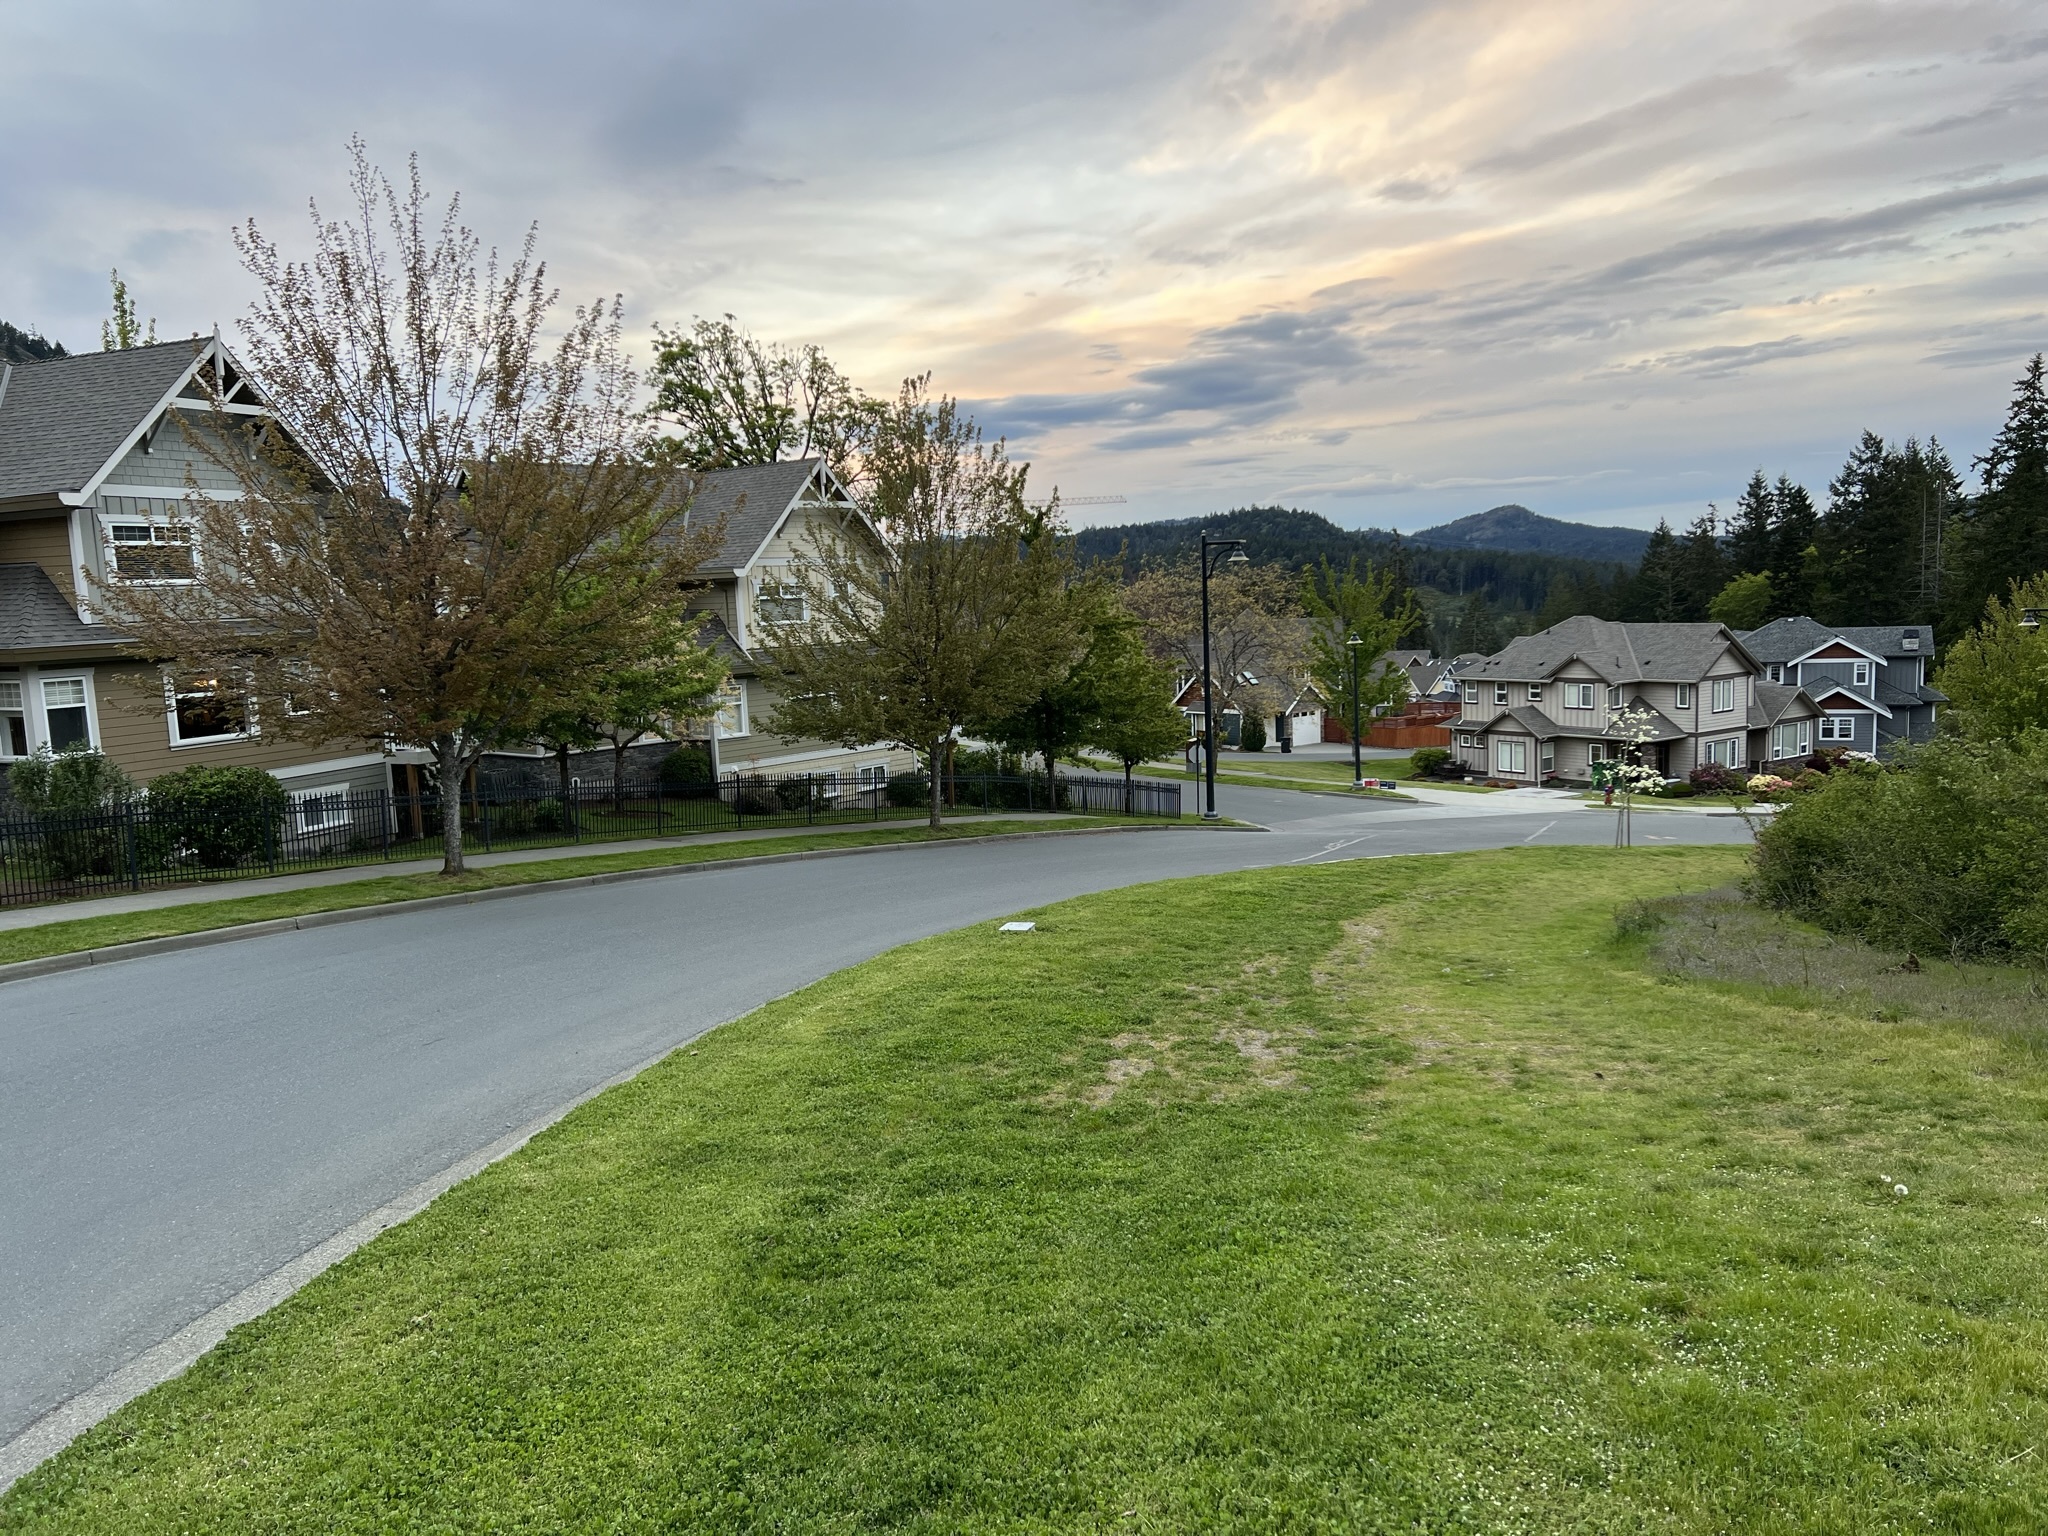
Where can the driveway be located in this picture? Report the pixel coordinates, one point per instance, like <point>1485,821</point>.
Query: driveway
<point>177,1127</point>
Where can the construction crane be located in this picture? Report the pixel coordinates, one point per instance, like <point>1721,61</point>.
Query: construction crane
<point>1091,501</point>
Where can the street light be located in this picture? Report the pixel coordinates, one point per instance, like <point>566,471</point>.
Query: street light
<point>1357,769</point>
<point>1236,556</point>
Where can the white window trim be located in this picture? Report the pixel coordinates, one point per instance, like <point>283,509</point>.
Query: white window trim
<point>1719,685</point>
<point>1838,727</point>
<point>1511,748</point>
<point>300,798</point>
<point>172,693</point>
<point>1471,693</point>
<point>733,697</point>
<point>1581,696</point>
<point>1500,693</point>
<point>1535,693</point>
<point>1681,696</point>
<point>18,707</point>
<point>36,712</point>
<point>1859,674</point>
<point>779,591</point>
<point>109,566</point>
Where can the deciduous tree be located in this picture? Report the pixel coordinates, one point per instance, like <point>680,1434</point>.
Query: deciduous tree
<point>734,400</point>
<point>1996,676</point>
<point>1257,635</point>
<point>453,522</point>
<point>957,618</point>
<point>1341,604</point>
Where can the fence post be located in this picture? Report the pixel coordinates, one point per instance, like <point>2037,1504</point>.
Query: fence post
<point>810,799</point>
<point>574,811</point>
<point>484,804</point>
<point>270,843</point>
<point>134,863</point>
<point>660,809</point>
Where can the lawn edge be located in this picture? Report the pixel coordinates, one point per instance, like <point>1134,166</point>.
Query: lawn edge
<point>230,931</point>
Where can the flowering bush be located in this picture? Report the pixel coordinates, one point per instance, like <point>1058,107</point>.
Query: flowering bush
<point>1713,779</point>
<point>1634,778</point>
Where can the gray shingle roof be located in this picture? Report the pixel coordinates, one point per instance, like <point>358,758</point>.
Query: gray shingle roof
<point>752,500</point>
<point>1620,653</point>
<point>35,616</point>
<point>61,420</point>
<point>1532,721</point>
<point>1771,702</point>
<point>1784,640</point>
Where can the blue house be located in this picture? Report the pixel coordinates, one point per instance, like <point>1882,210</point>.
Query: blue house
<point>1870,682</point>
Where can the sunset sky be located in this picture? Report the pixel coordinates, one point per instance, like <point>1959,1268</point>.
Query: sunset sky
<point>1392,262</point>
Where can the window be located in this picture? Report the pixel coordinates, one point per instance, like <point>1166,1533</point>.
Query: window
<point>1777,672</point>
<point>1838,728</point>
<point>1724,695</point>
<point>64,713</point>
<point>1468,741</point>
<point>1500,693</point>
<point>871,776</point>
<point>1535,693</point>
<point>1471,693</point>
<point>1859,674</point>
<point>1599,752</point>
<point>731,718</point>
<point>779,603</point>
<point>1727,752</point>
<point>1911,642</point>
<point>1681,696</point>
<point>199,713</point>
<point>1578,695</point>
<point>150,551</point>
<point>1548,758</point>
<point>13,722</point>
<point>1792,739</point>
<point>320,810</point>
<point>1510,757</point>
<point>1614,698</point>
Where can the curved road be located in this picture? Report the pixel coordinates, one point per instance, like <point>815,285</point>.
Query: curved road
<point>175,1128</point>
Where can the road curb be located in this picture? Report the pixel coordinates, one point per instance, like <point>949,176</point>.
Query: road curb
<point>138,949</point>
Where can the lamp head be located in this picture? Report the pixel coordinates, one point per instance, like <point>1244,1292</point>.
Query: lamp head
<point>1354,641</point>
<point>1237,557</point>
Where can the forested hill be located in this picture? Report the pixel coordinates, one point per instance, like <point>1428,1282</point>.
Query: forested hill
<point>19,346</point>
<point>1517,528</point>
<point>1486,591</point>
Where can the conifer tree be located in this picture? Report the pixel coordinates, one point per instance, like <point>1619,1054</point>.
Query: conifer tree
<point>2002,537</point>
<point>1795,525</point>
<point>1702,567</point>
<point>1653,593</point>
<point>1874,541</point>
<point>1752,531</point>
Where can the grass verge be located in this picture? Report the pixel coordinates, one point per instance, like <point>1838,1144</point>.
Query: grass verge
<point>1383,1196</point>
<point>69,937</point>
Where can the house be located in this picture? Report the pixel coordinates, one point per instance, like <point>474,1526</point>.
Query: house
<point>97,456</point>
<point>1544,708</point>
<point>1190,699</point>
<point>1301,720</point>
<point>1429,677</point>
<point>1869,681</point>
<point>771,513</point>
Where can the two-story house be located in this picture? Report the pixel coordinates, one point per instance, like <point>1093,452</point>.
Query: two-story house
<point>1869,681</point>
<point>98,455</point>
<point>771,514</point>
<point>1545,708</point>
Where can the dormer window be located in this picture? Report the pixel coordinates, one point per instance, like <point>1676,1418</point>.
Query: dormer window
<point>1911,641</point>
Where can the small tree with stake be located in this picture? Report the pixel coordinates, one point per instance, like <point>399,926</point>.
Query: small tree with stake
<point>451,524</point>
<point>1631,776</point>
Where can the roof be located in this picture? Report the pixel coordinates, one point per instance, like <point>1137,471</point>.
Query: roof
<point>1790,639</point>
<point>1619,653</point>
<point>34,615</point>
<point>61,420</point>
<point>752,500</point>
<point>1772,702</point>
<point>712,632</point>
<point>1523,718</point>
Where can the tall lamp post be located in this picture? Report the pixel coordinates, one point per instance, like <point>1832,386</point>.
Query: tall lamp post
<point>1230,552</point>
<point>1357,767</point>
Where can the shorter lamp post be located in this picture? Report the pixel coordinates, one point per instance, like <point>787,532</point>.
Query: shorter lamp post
<point>1235,556</point>
<point>1357,767</point>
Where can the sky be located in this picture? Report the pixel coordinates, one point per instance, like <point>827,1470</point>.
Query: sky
<point>1392,262</point>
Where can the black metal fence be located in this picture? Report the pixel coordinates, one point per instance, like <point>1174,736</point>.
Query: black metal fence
<point>59,856</point>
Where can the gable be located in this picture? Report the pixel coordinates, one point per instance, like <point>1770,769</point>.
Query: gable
<point>1842,701</point>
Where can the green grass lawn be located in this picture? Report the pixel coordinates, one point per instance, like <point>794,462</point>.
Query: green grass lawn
<point>1270,770</point>
<point>1398,1195</point>
<point>68,937</point>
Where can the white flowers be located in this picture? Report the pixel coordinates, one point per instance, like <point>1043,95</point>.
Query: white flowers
<point>1897,1189</point>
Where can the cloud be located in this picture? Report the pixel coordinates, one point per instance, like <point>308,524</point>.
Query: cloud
<point>1629,124</point>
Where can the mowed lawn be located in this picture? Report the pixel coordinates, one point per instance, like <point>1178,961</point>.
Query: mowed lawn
<point>1384,1196</point>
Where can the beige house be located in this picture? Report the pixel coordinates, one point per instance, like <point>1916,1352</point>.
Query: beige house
<point>97,458</point>
<point>1544,710</point>
<point>771,513</point>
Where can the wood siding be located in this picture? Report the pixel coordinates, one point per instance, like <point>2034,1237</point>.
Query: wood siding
<point>136,734</point>
<point>44,541</point>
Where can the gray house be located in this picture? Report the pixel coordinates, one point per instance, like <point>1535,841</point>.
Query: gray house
<point>1868,681</point>
<point>1544,709</point>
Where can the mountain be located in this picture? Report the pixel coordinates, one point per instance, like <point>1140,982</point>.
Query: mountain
<point>19,346</point>
<point>1516,528</point>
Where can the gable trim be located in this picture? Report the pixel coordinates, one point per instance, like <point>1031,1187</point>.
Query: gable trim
<point>91,488</point>
<point>1856,701</point>
<point>1831,641</point>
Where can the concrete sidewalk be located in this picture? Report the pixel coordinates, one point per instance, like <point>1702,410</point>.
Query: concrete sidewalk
<point>267,885</point>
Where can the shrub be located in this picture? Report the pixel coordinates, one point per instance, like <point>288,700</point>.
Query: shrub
<point>1942,856</point>
<point>1251,735</point>
<point>220,816</point>
<point>1678,789</point>
<point>1713,779</point>
<point>71,782</point>
<point>684,767</point>
<point>907,790</point>
<point>1430,760</point>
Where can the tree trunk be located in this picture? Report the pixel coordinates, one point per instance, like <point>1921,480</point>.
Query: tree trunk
<point>562,773</point>
<point>449,763</point>
<point>938,779</point>
<point>1127,788</point>
<point>619,775</point>
<point>1052,785</point>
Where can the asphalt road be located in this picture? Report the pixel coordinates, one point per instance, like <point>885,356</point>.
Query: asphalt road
<point>175,1128</point>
